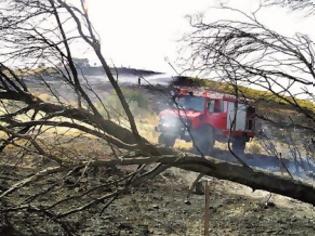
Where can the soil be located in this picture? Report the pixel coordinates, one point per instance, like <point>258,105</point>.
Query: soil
<point>161,208</point>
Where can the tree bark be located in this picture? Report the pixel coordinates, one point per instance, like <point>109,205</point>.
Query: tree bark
<point>256,179</point>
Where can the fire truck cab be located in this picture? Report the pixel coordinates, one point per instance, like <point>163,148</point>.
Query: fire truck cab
<point>204,116</point>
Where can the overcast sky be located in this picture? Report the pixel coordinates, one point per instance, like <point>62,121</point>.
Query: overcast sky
<point>142,33</point>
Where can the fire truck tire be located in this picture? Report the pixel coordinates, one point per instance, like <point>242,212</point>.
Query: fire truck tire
<point>167,140</point>
<point>238,145</point>
<point>203,140</point>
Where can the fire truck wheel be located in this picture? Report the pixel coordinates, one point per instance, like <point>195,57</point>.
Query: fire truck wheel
<point>203,140</point>
<point>167,140</point>
<point>238,145</point>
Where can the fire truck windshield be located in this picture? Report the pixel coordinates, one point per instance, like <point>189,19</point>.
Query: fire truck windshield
<point>191,103</point>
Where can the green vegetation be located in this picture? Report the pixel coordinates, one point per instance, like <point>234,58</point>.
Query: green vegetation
<point>138,102</point>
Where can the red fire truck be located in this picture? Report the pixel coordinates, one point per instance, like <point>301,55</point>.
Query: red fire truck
<point>204,116</point>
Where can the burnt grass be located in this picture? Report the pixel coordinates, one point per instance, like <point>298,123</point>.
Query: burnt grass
<point>158,207</point>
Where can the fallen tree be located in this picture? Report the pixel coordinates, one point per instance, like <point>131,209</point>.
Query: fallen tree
<point>26,119</point>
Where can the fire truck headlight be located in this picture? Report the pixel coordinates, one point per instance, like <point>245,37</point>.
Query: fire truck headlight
<point>169,122</point>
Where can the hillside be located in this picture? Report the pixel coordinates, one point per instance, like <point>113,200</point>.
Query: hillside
<point>282,110</point>
<point>278,108</point>
<point>257,95</point>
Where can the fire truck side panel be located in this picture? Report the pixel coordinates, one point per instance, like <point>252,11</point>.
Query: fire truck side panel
<point>217,120</point>
<point>240,116</point>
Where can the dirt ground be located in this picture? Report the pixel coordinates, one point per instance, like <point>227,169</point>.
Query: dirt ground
<point>160,209</point>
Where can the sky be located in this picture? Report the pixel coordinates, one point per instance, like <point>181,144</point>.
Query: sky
<point>145,33</point>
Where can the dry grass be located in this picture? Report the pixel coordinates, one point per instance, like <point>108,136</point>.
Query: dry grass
<point>146,126</point>
<point>61,143</point>
<point>254,147</point>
